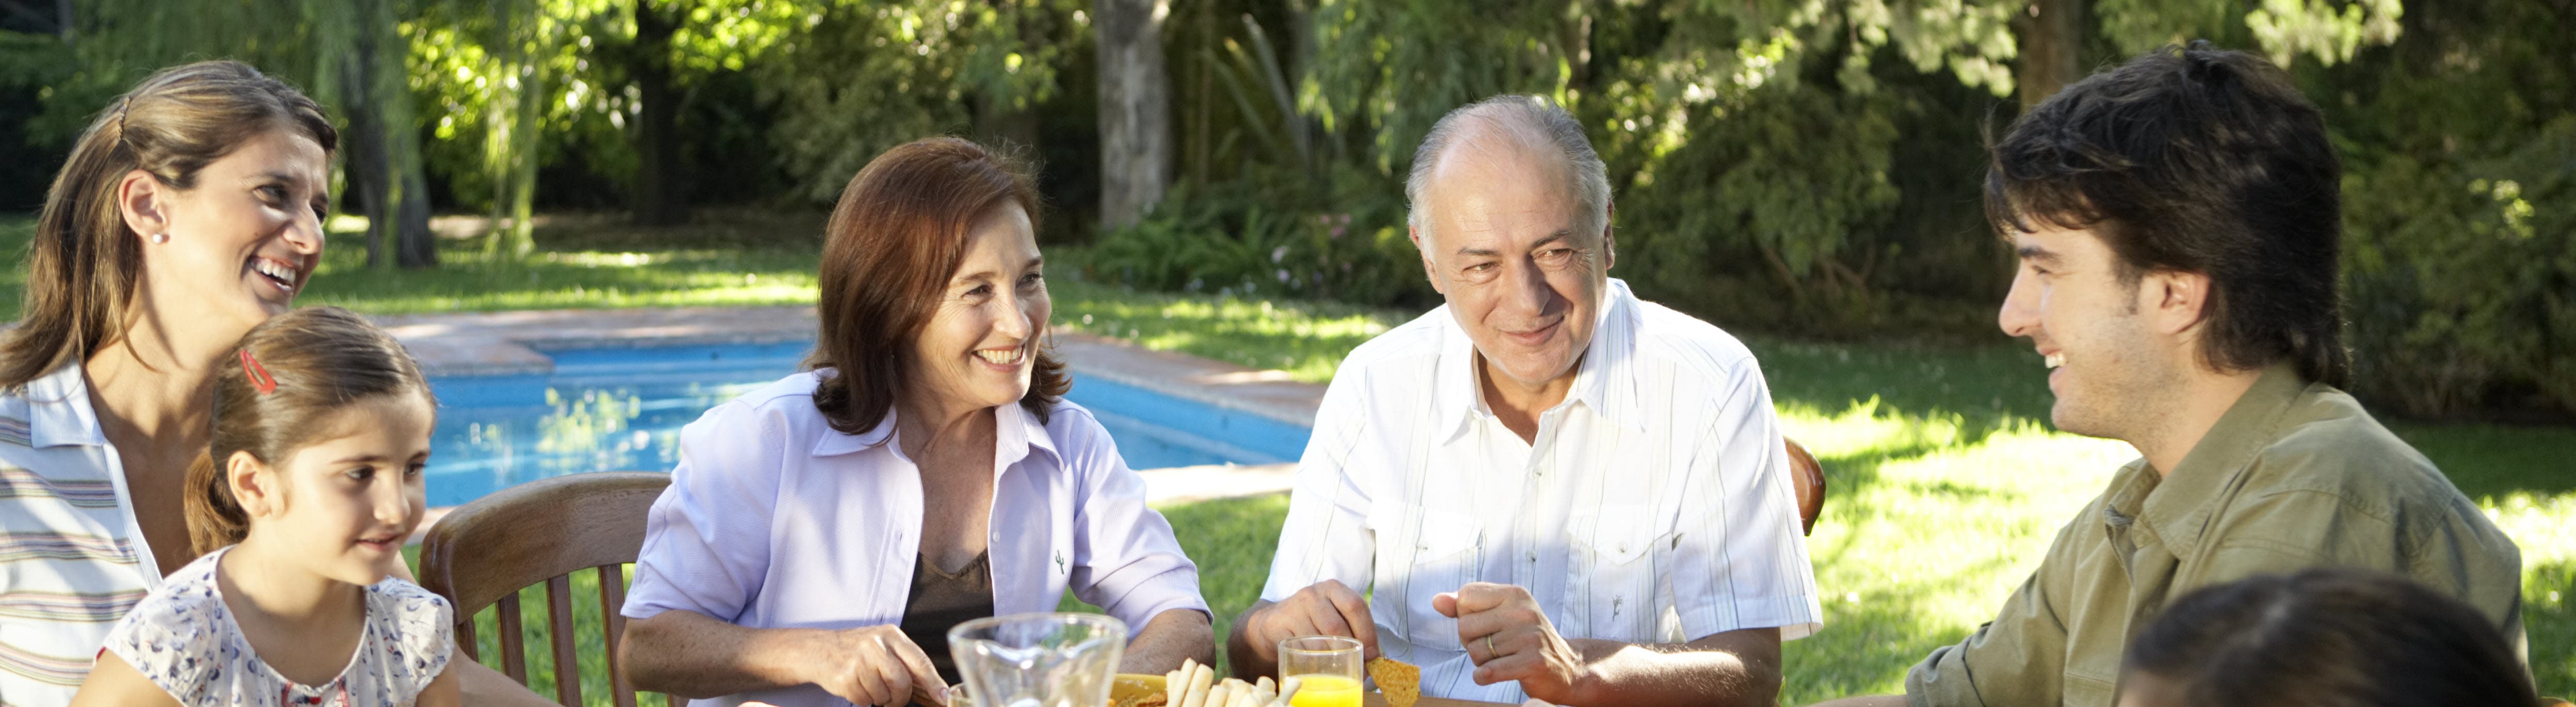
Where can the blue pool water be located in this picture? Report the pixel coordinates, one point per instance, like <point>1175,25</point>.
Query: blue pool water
<point>621,409</point>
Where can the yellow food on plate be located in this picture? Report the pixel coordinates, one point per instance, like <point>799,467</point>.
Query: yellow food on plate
<point>1133,690</point>
<point>1401,681</point>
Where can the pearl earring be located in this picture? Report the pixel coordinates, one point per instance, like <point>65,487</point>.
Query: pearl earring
<point>160,238</point>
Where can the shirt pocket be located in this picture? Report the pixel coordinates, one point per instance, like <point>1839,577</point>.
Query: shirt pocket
<point>1617,557</point>
<point>1442,557</point>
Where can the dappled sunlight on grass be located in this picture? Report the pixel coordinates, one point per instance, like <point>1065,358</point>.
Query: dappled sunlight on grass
<point>16,233</point>
<point>1926,530</point>
<point>1307,340</point>
<point>470,280</point>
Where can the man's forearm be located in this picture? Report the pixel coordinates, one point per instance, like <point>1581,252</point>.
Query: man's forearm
<point>1648,675</point>
<point>693,655</point>
<point>1246,662</point>
<point>1169,638</point>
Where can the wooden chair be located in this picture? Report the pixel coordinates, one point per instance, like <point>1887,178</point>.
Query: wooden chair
<point>484,552</point>
<point>1810,480</point>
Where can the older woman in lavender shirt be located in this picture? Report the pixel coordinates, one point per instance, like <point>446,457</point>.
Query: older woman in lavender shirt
<point>822,534</point>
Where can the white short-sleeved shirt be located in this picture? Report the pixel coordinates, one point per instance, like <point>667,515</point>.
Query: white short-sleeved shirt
<point>186,641</point>
<point>72,558</point>
<point>775,520</point>
<point>1655,506</point>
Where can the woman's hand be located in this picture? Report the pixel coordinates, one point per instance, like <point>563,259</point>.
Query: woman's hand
<point>876,665</point>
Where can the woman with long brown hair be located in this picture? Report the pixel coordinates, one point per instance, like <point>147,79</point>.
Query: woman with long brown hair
<point>822,534</point>
<point>189,211</point>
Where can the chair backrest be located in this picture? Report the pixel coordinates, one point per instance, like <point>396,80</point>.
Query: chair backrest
<point>1809,476</point>
<point>481,555</point>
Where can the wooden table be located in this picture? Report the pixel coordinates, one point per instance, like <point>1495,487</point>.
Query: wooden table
<point>1378,699</point>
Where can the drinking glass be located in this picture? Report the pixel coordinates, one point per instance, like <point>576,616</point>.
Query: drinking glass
<point>1327,669</point>
<point>1039,660</point>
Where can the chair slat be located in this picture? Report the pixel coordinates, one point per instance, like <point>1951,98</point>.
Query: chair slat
<point>514,640</point>
<point>465,637</point>
<point>612,603</point>
<point>567,659</point>
<point>484,553</point>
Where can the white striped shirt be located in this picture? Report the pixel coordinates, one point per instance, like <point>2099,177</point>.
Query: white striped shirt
<point>72,559</point>
<point>1655,506</point>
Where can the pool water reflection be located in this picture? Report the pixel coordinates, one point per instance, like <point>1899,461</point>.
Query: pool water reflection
<point>621,409</point>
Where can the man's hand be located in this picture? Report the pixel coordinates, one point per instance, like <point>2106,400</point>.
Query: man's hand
<point>876,665</point>
<point>1509,638</point>
<point>1324,609</point>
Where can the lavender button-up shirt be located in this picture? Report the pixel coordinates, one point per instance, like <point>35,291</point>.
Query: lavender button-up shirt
<point>775,520</point>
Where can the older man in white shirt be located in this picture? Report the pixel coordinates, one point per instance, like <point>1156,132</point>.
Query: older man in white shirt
<point>1555,490</point>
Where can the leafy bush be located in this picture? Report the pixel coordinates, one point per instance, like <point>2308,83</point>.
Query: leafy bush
<point>2462,278</point>
<point>1237,237</point>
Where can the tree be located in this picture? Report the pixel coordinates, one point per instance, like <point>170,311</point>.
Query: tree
<point>1135,110</point>
<point>382,146</point>
<point>659,196</point>
<point>2051,34</point>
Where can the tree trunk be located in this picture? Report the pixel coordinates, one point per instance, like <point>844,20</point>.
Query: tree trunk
<point>384,157</point>
<point>362,145</point>
<point>660,199</point>
<point>2051,35</point>
<point>1135,109</point>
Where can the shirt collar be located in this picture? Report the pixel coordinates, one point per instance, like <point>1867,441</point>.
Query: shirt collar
<point>58,411</point>
<point>1601,379</point>
<point>2180,504</point>
<point>1017,433</point>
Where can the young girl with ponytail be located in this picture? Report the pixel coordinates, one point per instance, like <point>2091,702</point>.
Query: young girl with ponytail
<point>299,510</point>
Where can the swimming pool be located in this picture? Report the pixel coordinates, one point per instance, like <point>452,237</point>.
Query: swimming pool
<point>621,409</point>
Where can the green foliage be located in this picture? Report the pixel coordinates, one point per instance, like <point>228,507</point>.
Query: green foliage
<point>2460,212</point>
<point>1239,238</point>
<point>861,77</point>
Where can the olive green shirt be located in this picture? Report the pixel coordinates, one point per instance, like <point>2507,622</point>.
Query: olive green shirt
<point>2295,475</point>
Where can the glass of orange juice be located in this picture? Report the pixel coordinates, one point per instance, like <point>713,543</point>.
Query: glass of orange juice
<point>1327,669</point>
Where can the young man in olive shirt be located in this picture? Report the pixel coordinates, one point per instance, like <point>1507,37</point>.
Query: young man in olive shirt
<point>2177,219</point>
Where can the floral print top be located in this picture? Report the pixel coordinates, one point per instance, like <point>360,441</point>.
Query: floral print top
<point>186,641</point>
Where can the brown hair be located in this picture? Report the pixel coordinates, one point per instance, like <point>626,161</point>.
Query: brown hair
<point>2330,636</point>
<point>894,239</point>
<point>314,361</point>
<point>84,261</point>
<point>2195,159</point>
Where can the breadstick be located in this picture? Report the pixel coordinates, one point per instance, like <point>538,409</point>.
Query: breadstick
<point>1200,679</point>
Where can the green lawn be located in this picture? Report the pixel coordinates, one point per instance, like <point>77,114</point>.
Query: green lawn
<point>1945,484</point>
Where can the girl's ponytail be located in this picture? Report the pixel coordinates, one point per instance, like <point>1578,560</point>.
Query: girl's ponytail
<point>215,518</point>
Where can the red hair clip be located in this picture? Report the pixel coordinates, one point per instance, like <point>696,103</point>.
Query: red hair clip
<point>258,375</point>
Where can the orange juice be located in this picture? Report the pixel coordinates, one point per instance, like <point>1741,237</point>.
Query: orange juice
<point>1326,691</point>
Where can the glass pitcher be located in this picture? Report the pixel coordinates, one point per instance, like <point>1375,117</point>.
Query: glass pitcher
<point>1038,660</point>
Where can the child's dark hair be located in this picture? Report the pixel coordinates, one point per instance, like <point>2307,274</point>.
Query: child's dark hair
<point>2331,636</point>
<point>273,394</point>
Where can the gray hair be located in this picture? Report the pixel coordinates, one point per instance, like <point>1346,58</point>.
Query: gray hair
<point>1526,121</point>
